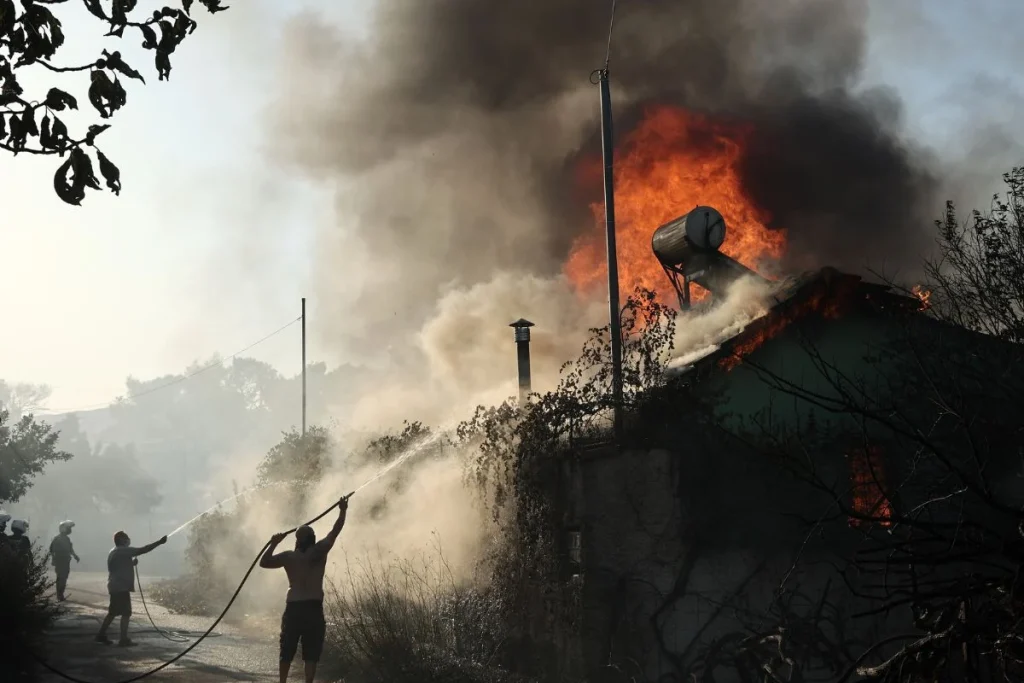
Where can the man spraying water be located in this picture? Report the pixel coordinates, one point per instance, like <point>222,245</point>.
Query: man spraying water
<point>121,563</point>
<point>61,552</point>
<point>303,617</point>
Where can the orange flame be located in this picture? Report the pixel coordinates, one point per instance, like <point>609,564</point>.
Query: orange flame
<point>828,304</point>
<point>867,478</point>
<point>674,161</point>
<point>924,295</point>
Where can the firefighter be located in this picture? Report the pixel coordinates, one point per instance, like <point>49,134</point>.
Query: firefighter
<point>61,552</point>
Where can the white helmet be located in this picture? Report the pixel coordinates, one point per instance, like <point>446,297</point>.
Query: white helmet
<point>19,525</point>
<point>66,524</point>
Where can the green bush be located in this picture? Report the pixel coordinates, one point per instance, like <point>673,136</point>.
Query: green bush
<point>28,609</point>
<point>403,622</point>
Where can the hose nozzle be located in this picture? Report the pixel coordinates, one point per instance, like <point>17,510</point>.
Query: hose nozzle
<point>346,497</point>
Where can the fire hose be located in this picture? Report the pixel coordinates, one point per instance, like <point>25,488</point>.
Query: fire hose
<point>46,665</point>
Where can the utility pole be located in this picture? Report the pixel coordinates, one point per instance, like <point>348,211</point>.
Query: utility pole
<point>614,322</point>
<point>303,366</point>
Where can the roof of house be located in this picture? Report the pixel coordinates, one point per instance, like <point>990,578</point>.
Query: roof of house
<point>826,293</point>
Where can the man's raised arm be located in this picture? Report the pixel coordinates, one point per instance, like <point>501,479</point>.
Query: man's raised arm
<point>269,559</point>
<point>327,543</point>
<point>148,548</point>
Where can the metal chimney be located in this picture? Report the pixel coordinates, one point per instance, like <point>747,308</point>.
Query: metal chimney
<point>522,328</point>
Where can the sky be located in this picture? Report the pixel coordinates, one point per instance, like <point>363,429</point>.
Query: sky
<point>209,246</point>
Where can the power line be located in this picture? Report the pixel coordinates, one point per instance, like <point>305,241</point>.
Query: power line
<point>183,378</point>
<point>611,26</point>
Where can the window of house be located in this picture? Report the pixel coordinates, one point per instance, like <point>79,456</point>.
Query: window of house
<point>869,499</point>
<point>575,547</point>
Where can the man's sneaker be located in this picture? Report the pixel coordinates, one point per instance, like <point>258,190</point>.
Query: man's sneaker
<point>104,640</point>
<point>126,642</point>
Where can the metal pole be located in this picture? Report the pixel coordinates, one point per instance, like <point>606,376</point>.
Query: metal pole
<point>303,366</point>
<point>614,327</point>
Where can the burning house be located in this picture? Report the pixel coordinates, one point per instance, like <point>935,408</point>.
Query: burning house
<point>676,538</point>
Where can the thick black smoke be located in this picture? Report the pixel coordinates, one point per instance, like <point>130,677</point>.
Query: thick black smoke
<point>454,131</point>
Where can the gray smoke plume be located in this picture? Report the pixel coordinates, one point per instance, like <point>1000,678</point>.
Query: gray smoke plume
<point>454,130</point>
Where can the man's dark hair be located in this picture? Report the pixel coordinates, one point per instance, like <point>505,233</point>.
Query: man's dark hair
<point>305,537</point>
<point>120,538</point>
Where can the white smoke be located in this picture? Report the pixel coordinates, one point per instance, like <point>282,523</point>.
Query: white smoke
<point>703,330</point>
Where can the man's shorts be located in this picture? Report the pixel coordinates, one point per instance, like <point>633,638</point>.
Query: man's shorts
<point>303,621</point>
<point>120,604</point>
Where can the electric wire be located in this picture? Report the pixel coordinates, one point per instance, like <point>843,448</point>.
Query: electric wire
<point>597,74</point>
<point>611,27</point>
<point>68,677</point>
<point>183,378</point>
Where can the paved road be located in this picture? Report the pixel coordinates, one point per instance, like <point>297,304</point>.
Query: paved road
<point>244,651</point>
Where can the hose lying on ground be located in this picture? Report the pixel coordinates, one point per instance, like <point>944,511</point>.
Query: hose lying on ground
<point>175,636</point>
<point>49,667</point>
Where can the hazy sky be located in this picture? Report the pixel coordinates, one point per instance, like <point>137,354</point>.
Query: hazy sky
<point>171,271</point>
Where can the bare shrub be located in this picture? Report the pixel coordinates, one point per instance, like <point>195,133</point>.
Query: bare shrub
<point>412,621</point>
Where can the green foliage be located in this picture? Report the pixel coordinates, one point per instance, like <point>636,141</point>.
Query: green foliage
<point>28,611</point>
<point>204,589</point>
<point>384,449</point>
<point>297,458</point>
<point>31,36</point>
<point>26,448</point>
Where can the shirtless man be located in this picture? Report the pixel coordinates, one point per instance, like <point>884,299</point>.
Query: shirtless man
<point>303,617</point>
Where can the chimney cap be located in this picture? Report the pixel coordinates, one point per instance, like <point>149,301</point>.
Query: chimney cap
<point>522,322</point>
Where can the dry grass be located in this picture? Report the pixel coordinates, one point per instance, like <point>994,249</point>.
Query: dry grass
<point>412,621</point>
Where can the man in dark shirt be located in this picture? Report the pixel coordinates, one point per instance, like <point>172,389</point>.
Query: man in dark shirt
<point>303,617</point>
<point>121,563</point>
<point>18,540</point>
<point>61,552</point>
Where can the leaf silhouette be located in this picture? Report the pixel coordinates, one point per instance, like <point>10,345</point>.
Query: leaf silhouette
<point>6,16</point>
<point>148,37</point>
<point>45,136</point>
<point>95,9</point>
<point>213,6</point>
<point>60,134</point>
<point>30,33</point>
<point>94,130</point>
<point>111,173</point>
<point>102,93</point>
<point>17,136</point>
<point>66,185</point>
<point>163,65</point>
<point>115,62</point>
<point>82,164</point>
<point>58,100</point>
<point>28,122</point>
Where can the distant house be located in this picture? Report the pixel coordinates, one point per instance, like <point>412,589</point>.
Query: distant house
<point>670,535</point>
